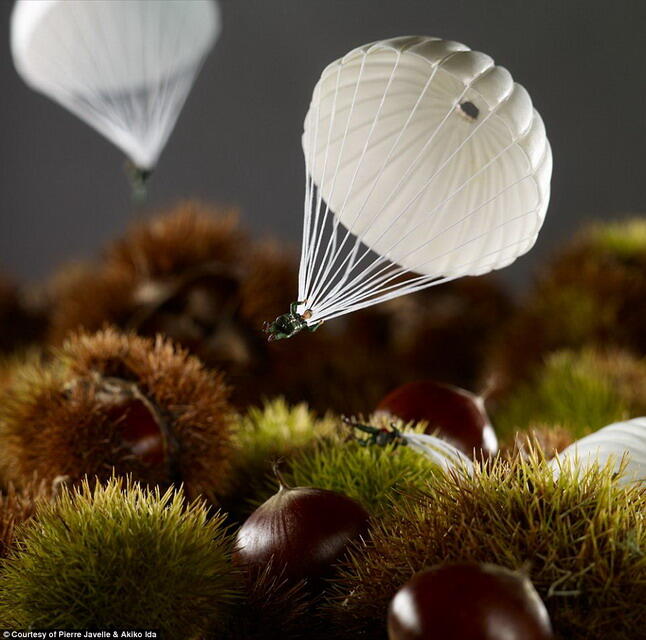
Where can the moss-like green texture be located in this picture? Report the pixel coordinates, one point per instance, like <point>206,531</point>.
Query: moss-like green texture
<point>263,435</point>
<point>119,557</point>
<point>593,293</point>
<point>581,541</point>
<point>373,475</point>
<point>581,392</point>
<point>626,239</point>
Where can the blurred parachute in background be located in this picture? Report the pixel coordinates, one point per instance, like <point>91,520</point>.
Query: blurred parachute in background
<point>425,163</point>
<point>125,67</point>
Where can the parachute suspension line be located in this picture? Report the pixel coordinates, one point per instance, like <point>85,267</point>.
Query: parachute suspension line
<point>310,260</point>
<point>361,275</point>
<point>422,282</point>
<point>349,286</point>
<point>138,61</point>
<point>350,260</point>
<point>332,296</point>
<point>179,92</point>
<point>320,228</point>
<point>306,250</point>
<point>321,262</point>
<point>372,293</point>
<point>326,264</point>
<point>151,114</point>
<point>121,111</point>
<point>324,272</point>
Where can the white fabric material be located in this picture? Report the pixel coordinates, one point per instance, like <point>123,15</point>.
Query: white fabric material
<point>425,162</point>
<point>439,451</point>
<point>123,66</point>
<point>610,445</point>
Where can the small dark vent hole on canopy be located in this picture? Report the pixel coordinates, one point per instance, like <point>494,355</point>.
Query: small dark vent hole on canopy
<point>469,110</point>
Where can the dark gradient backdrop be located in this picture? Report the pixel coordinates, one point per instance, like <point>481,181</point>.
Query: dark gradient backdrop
<point>62,190</point>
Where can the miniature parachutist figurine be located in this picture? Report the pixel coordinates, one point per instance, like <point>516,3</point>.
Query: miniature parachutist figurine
<point>412,182</point>
<point>289,324</point>
<point>132,87</point>
<point>138,178</point>
<point>435,449</point>
<point>376,435</point>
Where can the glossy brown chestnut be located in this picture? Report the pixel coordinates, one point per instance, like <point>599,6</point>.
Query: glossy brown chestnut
<point>302,531</point>
<point>458,416</point>
<point>140,425</point>
<point>468,602</point>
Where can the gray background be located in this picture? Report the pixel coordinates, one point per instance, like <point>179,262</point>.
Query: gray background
<point>63,193</point>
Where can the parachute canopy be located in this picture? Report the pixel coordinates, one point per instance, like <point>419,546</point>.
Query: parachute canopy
<point>425,162</point>
<point>123,66</point>
<point>621,445</point>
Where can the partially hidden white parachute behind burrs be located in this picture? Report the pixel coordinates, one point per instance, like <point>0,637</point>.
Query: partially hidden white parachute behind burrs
<point>425,162</point>
<point>619,444</point>
<point>125,67</point>
<point>438,451</point>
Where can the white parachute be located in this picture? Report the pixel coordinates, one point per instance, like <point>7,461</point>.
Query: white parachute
<point>621,445</point>
<point>425,162</point>
<point>123,66</point>
<point>442,453</point>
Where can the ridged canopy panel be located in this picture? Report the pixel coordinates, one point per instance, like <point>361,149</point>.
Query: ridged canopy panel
<point>431,156</point>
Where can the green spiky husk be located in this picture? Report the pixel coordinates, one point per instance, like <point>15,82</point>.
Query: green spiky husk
<point>263,435</point>
<point>625,239</point>
<point>53,420</point>
<point>592,293</point>
<point>581,541</point>
<point>544,438</point>
<point>143,283</point>
<point>373,475</point>
<point>578,391</point>
<point>120,557</point>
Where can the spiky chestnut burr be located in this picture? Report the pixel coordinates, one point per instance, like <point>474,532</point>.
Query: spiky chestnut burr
<point>337,460</point>
<point>538,437</point>
<point>275,430</point>
<point>301,531</point>
<point>457,415</point>
<point>120,556</point>
<point>110,402</point>
<point>570,534</point>
<point>593,293</point>
<point>580,391</point>
<point>271,607</point>
<point>18,505</point>
<point>468,602</point>
<point>194,275</point>
<point>441,333</point>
